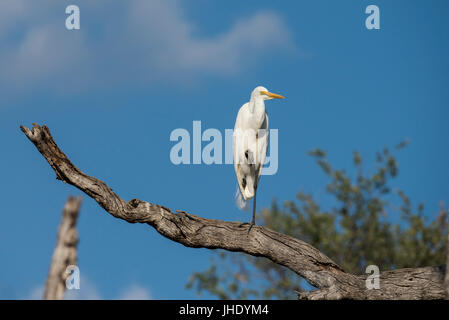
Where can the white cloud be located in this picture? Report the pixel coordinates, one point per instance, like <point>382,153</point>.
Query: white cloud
<point>168,37</point>
<point>137,42</point>
<point>88,291</point>
<point>135,292</point>
<point>37,293</point>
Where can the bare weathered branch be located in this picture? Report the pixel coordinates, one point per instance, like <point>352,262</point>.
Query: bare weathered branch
<point>446,278</point>
<point>193,231</point>
<point>65,253</point>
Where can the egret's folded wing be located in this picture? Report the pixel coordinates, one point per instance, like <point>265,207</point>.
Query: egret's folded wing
<point>262,145</point>
<point>237,141</point>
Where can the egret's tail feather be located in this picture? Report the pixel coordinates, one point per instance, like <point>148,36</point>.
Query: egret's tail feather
<point>239,201</point>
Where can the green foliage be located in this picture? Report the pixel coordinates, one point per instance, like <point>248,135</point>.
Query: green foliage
<point>354,232</point>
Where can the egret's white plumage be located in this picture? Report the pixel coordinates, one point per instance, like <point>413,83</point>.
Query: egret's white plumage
<point>250,145</point>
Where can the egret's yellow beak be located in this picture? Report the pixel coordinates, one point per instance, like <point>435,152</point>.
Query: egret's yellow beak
<point>272,95</point>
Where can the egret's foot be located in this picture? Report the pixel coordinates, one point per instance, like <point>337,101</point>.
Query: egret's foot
<point>250,226</point>
<point>243,224</point>
<point>253,222</point>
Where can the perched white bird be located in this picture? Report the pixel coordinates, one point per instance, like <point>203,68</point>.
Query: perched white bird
<point>250,145</point>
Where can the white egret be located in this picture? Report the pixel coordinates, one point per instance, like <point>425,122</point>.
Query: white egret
<point>250,145</point>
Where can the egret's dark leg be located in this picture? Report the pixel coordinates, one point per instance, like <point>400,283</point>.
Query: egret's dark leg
<point>256,180</point>
<point>253,220</point>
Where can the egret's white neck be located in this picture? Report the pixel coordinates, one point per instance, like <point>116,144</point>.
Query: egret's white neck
<point>257,111</point>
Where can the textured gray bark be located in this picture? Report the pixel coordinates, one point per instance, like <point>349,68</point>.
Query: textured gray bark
<point>446,278</point>
<point>65,253</point>
<point>193,231</point>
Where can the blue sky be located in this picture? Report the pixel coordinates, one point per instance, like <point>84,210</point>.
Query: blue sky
<point>113,91</point>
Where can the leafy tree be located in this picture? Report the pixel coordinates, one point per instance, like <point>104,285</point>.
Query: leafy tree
<point>354,232</point>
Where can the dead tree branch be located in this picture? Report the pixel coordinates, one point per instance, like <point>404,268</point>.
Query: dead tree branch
<point>196,232</point>
<point>446,278</point>
<point>65,253</point>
